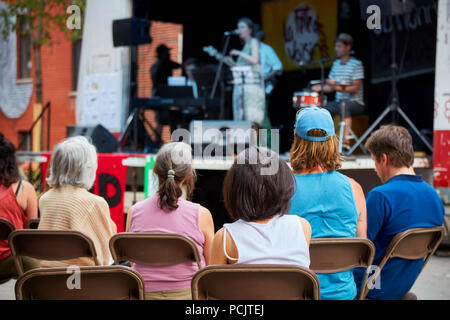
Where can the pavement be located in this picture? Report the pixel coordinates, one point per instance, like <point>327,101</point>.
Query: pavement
<point>432,284</point>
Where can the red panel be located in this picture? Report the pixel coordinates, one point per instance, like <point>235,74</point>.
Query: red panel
<point>441,159</point>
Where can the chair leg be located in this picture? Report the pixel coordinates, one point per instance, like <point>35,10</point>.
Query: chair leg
<point>409,296</point>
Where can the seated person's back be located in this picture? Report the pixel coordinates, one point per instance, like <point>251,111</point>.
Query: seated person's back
<point>332,203</point>
<point>403,202</point>
<point>261,233</point>
<point>68,205</point>
<point>18,204</point>
<point>168,212</point>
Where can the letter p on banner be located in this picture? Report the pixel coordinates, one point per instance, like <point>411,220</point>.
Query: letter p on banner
<point>74,280</point>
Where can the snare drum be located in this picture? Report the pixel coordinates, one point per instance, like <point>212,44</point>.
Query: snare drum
<point>304,99</point>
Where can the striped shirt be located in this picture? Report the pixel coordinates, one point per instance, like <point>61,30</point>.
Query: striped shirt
<point>350,71</point>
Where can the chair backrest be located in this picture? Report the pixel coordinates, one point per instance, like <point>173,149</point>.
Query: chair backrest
<point>33,223</point>
<point>411,244</point>
<point>50,245</point>
<point>153,249</point>
<point>331,255</point>
<point>255,282</point>
<point>6,228</point>
<point>83,283</point>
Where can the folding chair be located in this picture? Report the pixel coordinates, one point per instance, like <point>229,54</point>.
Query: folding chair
<point>153,249</point>
<point>331,255</point>
<point>52,245</point>
<point>255,282</point>
<point>81,283</point>
<point>6,228</point>
<point>412,244</point>
<point>33,223</point>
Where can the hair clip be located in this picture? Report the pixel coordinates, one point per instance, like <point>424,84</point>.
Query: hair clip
<point>171,174</point>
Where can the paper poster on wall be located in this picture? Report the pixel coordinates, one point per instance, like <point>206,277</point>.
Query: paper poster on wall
<point>102,101</point>
<point>300,31</point>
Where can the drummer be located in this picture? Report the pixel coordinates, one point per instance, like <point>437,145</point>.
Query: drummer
<point>349,72</point>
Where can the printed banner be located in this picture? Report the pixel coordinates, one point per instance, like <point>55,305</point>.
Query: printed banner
<point>109,184</point>
<point>150,178</point>
<point>300,31</point>
<point>441,146</point>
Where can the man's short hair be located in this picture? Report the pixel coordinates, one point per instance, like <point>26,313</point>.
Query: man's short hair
<point>345,38</point>
<point>395,142</point>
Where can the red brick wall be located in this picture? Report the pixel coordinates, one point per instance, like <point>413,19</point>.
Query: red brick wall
<point>162,33</point>
<point>56,84</point>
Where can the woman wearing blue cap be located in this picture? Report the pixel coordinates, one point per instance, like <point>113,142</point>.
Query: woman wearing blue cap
<point>333,203</point>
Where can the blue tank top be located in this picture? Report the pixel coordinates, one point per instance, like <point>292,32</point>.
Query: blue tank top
<point>326,201</point>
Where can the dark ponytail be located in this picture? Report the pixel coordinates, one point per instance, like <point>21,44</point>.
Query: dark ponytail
<point>172,166</point>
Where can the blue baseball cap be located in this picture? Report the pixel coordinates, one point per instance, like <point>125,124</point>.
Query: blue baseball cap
<point>314,118</point>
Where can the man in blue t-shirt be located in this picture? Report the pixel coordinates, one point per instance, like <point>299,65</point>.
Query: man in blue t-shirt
<point>403,202</point>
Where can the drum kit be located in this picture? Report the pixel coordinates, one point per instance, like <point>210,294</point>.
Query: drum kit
<point>309,98</point>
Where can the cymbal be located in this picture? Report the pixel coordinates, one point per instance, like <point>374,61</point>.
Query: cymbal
<point>314,82</point>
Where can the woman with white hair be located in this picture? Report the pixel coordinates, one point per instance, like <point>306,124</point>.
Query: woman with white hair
<point>168,212</point>
<point>68,205</point>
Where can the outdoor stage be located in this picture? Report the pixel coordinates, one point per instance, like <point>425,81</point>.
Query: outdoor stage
<point>121,173</point>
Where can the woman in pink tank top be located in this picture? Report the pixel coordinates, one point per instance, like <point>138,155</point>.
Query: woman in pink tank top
<point>168,212</point>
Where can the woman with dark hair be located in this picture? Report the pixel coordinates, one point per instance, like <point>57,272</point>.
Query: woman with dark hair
<point>248,91</point>
<point>257,190</point>
<point>168,212</point>
<point>18,204</point>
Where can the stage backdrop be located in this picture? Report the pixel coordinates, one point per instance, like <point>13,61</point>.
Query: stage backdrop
<point>300,31</point>
<point>110,183</point>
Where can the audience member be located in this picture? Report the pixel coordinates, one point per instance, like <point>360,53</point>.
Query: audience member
<point>18,203</point>
<point>68,205</point>
<point>168,212</point>
<point>403,202</point>
<point>333,203</point>
<point>257,199</point>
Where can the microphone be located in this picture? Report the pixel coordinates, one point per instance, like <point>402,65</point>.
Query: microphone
<point>231,33</point>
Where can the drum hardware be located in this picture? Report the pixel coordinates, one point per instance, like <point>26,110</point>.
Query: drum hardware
<point>343,125</point>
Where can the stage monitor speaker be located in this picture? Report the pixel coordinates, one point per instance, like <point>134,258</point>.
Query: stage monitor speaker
<point>228,137</point>
<point>131,32</point>
<point>99,136</point>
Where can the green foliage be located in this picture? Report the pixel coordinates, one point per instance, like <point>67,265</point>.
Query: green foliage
<point>40,17</point>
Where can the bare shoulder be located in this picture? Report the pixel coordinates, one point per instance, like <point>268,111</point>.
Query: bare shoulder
<point>355,185</point>
<point>28,187</point>
<point>204,213</point>
<point>306,225</point>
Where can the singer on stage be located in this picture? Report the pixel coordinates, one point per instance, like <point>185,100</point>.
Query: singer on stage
<point>350,70</point>
<point>248,95</point>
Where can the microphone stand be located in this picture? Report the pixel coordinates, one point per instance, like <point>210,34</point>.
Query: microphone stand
<point>219,69</point>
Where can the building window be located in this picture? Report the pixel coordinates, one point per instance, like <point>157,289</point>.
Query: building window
<point>76,54</point>
<point>24,49</point>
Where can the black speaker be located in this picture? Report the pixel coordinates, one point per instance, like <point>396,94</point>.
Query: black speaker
<point>131,32</point>
<point>100,137</point>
